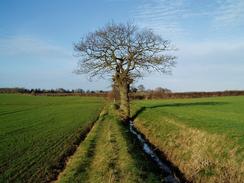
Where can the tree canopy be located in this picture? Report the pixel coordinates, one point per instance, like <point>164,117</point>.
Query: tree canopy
<point>124,52</point>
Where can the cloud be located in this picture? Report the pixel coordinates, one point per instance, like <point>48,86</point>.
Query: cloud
<point>161,15</point>
<point>230,13</point>
<point>213,49</point>
<point>171,17</point>
<point>31,62</point>
<point>204,66</point>
<point>26,46</point>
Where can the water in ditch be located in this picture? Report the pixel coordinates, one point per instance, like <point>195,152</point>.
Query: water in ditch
<point>170,176</point>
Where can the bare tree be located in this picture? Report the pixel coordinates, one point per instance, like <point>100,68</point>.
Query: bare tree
<point>123,52</point>
<point>162,90</point>
<point>141,88</point>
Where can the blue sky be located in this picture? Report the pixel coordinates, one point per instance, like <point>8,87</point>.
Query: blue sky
<point>36,41</point>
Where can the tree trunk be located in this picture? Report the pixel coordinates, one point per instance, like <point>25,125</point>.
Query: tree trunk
<point>124,100</point>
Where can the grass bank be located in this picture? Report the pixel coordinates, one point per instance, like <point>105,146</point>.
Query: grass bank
<point>203,137</point>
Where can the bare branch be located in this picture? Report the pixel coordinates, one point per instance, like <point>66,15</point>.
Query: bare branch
<point>122,50</point>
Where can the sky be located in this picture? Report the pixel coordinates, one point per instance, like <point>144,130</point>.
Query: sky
<point>37,37</point>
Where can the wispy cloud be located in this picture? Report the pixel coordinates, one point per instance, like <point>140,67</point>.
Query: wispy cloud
<point>161,15</point>
<point>210,66</point>
<point>171,17</point>
<point>211,52</point>
<point>230,13</point>
<point>26,46</point>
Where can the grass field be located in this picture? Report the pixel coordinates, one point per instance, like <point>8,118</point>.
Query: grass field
<point>203,137</point>
<point>36,132</point>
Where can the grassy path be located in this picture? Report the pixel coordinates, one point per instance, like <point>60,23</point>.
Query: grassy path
<point>109,154</point>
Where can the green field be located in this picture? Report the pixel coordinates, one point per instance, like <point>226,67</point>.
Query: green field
<point>36,131</point>
<point>203,137</point>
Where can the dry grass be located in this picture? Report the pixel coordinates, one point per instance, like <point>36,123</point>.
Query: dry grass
<point>201,156</point>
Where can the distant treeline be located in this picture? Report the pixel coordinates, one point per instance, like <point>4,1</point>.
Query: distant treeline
<point>54,92</point>
<point>160,95</point>
<point>135,93</point>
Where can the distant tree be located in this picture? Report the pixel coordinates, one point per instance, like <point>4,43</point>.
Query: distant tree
<point>123,52</point>
<point>133,89</point>
<point>141,88</point>
<point>162,90</point>
<point>79,90</point>
<point>60,90</point>
<point>33,92</point>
